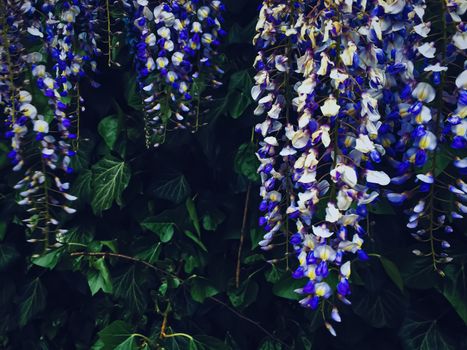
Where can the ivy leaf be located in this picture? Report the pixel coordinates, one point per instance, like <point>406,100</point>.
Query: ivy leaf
<point>48,260</point>
<point>286,285</point>
<point>192,212</point>
<point>246,162</point>
<point>383,308</point>
<point>454,289</point>
<point>270,345</point>
<point>173,187</point>
<point>82,186</point>
<point>201,289</point>
<point>423,335</point>
<point>129,344</point>
<point>417,272</point>
<point>131,93</point>
<point>212,219</point>
<point>196,240</point>
<point>114,334</point>
<point>245,294</point>
<point>109,128</point>
<point>99,277</point>
<point>8,255</point>
<point>393,272</point>
<point>165,230</point>
<point>33,301</point>
<point>239,93</point>
<point>127,288</point>
<point>110,178</point>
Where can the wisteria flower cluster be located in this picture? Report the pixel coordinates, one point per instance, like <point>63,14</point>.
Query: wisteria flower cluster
<point>350,90</point>
<point>176,58</point>
<point>49,46</point>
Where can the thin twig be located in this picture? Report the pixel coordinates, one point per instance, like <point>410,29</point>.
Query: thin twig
<point>242,235</point>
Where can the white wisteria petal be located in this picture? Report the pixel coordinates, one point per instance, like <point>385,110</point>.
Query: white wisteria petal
<point>332,213</point>
<point>300,139</point>
<point>378,177</point>
<point>330,108</point>
<point>427,50</point>
<point>271,140</point>
<point>422,29</point>
<point>322,231</point>
<point>424,92</point>
<point>392,6</point>
<point>461,80</point>
<point>436,68</point>
<point>345,269</point>
<point>35,32</point>
<point>364,144</point>
<point>460,40</point>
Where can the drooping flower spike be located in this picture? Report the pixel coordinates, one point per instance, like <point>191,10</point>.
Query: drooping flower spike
<point>325,153</point>
<point>47,127</point>
<point>176,60</point>
<point>430,125</point>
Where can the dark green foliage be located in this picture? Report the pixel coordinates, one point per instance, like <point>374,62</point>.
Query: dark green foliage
<point>157,234</point>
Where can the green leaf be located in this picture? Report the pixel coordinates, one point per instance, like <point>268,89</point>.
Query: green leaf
<point>381,207</point>
<point>285,287</point>
<point>129,344</point>
<point>423,335</point>
<point>109,128</point>
<point>110,178</point>
<point>454,289</point>
<point>196,240</point>
<point>127,288</point>
<point>382,308</point>
<point>270,345</point>
<point>246,162</point>
<point>33,301</point>
<point>173,187</point>
<point>82,186</point>
<point>131,93</point>
<point>393,272</point>
<point>151,254</point>
<point>256,235</point>
<point>238,103</point>
<point>48,260</point>
<point>114,334</point>
<point>8,255</point>
<point>245,294</point>
<point>165,230</point>
<point>192,212</point>
<point>212,219</point>
<point>3,226</point>
<point>239,99</point>
<point>417,272</point>
<point>201,289</point>
<point>99,277</point>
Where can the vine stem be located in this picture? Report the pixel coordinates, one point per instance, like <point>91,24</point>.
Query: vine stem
<point>436,132</point>
<point>242,235</point>
<point>109,43</point>
<point>155,268</point>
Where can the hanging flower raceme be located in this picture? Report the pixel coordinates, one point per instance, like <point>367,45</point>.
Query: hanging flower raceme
<point>56,74</point>
<point>28,129</point>
<point>326,154</point>
<point>177,58</point>
<point>15,100</point>
<point>431,124</point>
<point>272,90</point>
